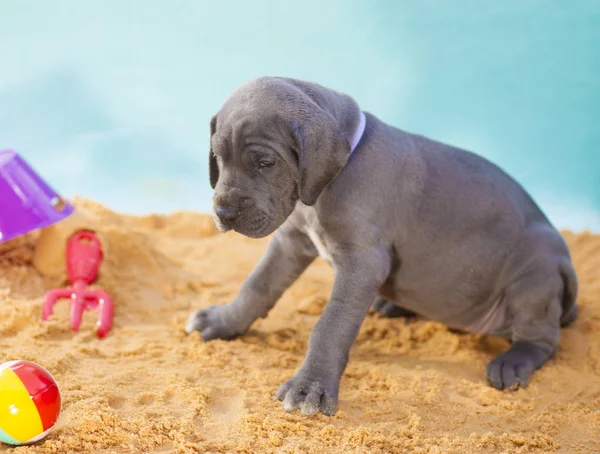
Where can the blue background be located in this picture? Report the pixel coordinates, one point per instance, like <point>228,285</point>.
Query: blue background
<point>111,99</point>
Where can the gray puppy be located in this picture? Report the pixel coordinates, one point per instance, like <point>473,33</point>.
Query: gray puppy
<point>428,228</point>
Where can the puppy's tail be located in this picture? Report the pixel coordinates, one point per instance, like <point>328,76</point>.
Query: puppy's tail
<point>569,294</point>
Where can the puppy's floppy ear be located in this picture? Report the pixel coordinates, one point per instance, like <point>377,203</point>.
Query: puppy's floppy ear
<point>213,167</point>
<point>322,153</point>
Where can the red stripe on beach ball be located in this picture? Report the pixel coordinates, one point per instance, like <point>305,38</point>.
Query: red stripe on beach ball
<point>43,390</point>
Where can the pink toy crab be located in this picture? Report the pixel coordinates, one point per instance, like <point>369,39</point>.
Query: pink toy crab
<point>84,256</point>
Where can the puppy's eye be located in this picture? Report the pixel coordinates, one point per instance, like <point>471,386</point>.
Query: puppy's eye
<point>265,164</point>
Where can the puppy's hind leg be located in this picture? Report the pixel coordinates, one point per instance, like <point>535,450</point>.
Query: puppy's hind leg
<point>534,309</point>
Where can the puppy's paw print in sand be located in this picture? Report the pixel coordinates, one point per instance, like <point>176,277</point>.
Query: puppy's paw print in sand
<point>227,410</point>
<point>116,402</point>
<point>145,398</point>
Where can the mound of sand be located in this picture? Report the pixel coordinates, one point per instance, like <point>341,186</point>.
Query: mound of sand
<point>410,385</point>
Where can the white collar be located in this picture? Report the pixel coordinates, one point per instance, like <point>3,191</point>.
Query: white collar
<point>360,129</point>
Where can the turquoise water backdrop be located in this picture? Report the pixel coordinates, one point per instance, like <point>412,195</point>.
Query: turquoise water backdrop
<point>111,99</point>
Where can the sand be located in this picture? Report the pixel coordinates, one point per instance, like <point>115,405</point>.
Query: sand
<point>410,386</point>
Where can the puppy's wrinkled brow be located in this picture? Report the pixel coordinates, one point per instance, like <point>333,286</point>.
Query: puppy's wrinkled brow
<point>239,133</point>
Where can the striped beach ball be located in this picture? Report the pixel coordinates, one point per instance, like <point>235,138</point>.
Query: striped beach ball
<point>29,402</point>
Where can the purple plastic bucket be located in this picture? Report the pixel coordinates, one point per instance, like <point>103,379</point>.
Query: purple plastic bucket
<point>27,202</point>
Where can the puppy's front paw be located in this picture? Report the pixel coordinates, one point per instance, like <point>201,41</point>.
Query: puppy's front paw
<point>216,322</point>
<point>309,395</point>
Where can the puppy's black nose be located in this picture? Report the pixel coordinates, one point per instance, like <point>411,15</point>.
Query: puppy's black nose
<point>227,214</point>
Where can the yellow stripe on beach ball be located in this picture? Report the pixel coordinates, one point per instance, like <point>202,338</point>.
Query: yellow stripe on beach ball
<point>19,417</point>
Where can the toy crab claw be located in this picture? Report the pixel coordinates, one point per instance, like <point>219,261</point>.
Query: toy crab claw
<point>84,257</point>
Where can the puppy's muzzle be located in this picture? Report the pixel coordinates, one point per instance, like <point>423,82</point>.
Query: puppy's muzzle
<point>229,211</point>
<point>227,215</point>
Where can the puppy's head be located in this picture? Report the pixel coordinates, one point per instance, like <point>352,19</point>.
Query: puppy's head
<point>276,141</point>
